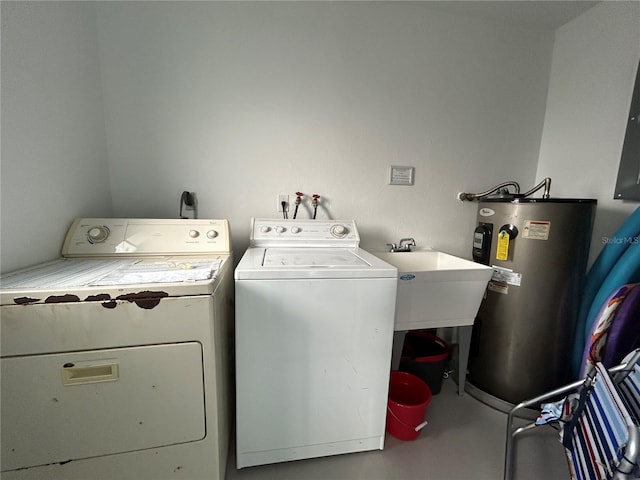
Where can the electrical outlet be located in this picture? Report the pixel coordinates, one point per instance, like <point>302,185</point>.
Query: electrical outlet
<point>283,197</point>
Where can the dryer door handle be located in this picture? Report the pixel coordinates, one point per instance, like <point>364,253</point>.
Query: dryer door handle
<point>89,372</point>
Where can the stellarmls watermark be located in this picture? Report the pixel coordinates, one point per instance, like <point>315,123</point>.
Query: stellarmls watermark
<point>621,240</point>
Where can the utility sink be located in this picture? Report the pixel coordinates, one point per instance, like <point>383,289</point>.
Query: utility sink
<point>436,289</point>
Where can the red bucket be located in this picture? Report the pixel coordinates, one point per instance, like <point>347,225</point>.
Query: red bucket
<point>408,400</point>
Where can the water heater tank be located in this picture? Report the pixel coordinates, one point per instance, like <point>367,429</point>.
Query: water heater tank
<point>523,334</point>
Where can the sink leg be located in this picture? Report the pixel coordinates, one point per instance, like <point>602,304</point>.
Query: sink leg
<point>398,343</point>
<point>464,343</point>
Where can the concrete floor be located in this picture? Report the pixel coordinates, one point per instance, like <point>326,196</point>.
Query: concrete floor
<point>464,440</point>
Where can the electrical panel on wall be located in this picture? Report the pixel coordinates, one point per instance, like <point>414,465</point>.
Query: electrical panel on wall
<point>628,184</point>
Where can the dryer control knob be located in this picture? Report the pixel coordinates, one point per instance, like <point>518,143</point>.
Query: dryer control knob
<point>212,234</point>
<point>296,229</point>
<point>265,229</point>
<point>280,229</point>
<point>98,234</point>
<point>338,230</point>
<point>194,233</point>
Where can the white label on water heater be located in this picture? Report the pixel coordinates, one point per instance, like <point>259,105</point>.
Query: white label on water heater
<point>498,287</point>
<point>506,275</point>
<point>536,229</point>
<point>477,240</point>
<point>486,212</point>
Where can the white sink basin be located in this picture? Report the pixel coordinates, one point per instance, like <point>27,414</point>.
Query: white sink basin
<point>436,289</point>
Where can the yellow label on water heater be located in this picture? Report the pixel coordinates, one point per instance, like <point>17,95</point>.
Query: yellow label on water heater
<point>502,252</point>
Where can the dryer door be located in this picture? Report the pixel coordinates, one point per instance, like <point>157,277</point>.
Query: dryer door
<point>67,406</point>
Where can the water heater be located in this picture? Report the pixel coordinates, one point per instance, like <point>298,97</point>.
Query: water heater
<point>523,333</point>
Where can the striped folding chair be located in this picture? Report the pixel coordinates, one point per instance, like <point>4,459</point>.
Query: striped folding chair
<point>601,432</point>
<point>628,382</point>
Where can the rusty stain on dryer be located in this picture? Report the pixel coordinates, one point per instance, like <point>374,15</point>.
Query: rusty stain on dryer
<point>145,299</point>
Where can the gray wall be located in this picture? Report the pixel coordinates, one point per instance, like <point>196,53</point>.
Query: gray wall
<point>240,101</point>
<point>115,108</point>
<point>595,58</point>
<point>54,158</point>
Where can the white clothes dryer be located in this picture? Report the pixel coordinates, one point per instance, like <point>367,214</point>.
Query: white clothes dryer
<point>115,358</point>
<point>314,333</point>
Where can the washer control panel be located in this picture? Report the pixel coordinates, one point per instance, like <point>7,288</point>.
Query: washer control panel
<point>135,236</point>
<point>303,233</point>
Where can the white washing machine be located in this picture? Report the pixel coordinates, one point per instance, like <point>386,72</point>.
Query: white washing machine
<point>314,333</point>
<point>115,358</point>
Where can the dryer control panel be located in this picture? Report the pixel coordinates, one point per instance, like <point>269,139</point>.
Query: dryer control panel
<point>272,232</point>
<point>144,236</point>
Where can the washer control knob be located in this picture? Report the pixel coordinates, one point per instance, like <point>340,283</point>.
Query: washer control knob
<point>194,233</point>
<point>98,234</point>
<point>265,229</point>
<point>212,234</point>
<point>296,229</point>
<point>338,231</point>
<point>280,229</point>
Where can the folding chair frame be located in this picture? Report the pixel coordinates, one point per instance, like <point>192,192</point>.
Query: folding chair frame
<point>618,373</point>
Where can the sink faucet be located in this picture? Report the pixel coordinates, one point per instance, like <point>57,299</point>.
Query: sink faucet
<point>404,246</point>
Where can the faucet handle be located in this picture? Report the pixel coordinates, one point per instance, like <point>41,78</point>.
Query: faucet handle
<point>407,241</point>
<point>392,247</point>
